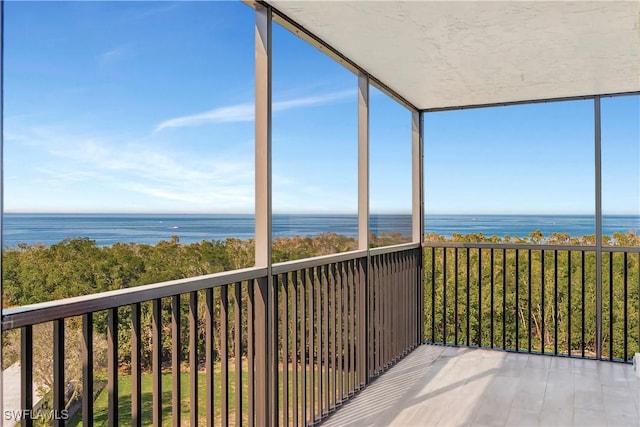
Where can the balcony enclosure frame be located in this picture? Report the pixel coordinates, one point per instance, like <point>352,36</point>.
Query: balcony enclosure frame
<point>355,314</point>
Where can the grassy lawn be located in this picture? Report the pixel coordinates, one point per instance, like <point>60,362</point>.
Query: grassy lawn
<point>124,398</point>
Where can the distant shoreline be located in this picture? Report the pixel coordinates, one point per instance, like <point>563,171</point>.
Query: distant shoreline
<point>16,213</point>
<point>110,228</point>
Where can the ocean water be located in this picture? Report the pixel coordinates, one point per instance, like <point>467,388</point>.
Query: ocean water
<point>107,229</point>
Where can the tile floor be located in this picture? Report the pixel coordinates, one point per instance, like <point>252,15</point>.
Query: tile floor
<point>446,386</point>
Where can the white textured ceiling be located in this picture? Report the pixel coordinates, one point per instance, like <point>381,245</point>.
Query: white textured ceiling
<point>439,54</point>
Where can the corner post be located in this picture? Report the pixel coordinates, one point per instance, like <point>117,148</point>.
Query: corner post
<point>417,150</point>
<point>266,381</point>
<point>363,226</point>
<point>598,188</point>
<point>417,217</point>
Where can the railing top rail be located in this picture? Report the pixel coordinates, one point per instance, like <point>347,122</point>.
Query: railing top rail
<point>526,246</point>
<point>17,317</point>
<point>394,248</point>
<point>635,249</point>
<point>289,266</point>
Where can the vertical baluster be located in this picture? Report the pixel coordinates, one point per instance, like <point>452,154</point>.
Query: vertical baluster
<point>250,351</point>
<point>379,315</point>
<point>625,266</point>
<point>381,301</point>
<point>224,352</point>
<point>420,294</point>
<point>112,365</point>
<point>396,292</point>
<point>413,301</point>
<point>403,309</point>
<point>136,368</point>
<point>274,368</point>
<point>555,302</point>
<point>399,307</point>
<point>410,301</point>
<point>542,302</point>
<point>382,289</point>
<point>611,306</point>
<point>312,353</point>
<point>87,369</point>
<point>388,317</point>
<point>58,372</point>
<point>354,331</point>
<point>352,327</point>
<point>444,296</point>
<point>455,296</point>
<point>303,345</point>
<point>391,295</point>
<point>569,311</point>
<point>391,298</point>
<point>468,309</point>
<point>347,287</point>
<point>318,286</point>
<point>638,349</point>
<point>237,349</point>
<point>263,329</point>
<point>417,278</point>
<point>285,347</point>
<point>176,353</point>
<point>479,297</point>
<point>504,299</point>
<point>582,285</point>
<point>295,349</point>
<point>325,313</point>
<point>193,357</point>
<point>492,302</point>
<point>362,296</point>
<point>406,305</point>
<point>517,303</point>
<point>373,316</point>
<point>332,333</point>
<point>209,356</point>
<point>363,303</point>
<point>417,304</point>
<point>433,295</point>
<point>26,372</point>
<point>156,330</point>
<point>384,299</point>
<point>529,260</point>
<point>341,324</point>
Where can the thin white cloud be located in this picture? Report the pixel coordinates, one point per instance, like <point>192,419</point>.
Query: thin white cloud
<point>314,100</point>
<point>114,55</point>
<point>233,113</point>
<point>245,112</point>
<point>161,177</point>
<point>64,176</point>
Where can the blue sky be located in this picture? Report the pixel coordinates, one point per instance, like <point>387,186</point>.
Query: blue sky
<point>148,107</point>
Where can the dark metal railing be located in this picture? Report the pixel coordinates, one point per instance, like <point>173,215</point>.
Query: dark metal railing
<point>228,326</point>
<point>335,319</point>
<point>393,317</point>
<point>532,298</point>
<point>241,347</point>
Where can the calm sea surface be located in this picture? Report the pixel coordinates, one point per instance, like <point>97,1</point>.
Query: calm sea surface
<point>107,229</point>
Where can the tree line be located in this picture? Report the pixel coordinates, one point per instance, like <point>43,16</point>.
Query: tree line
<point>529,299</point>
<point>496,285</point>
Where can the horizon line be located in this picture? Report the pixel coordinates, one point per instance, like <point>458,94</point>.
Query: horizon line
<point>20,212</point>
